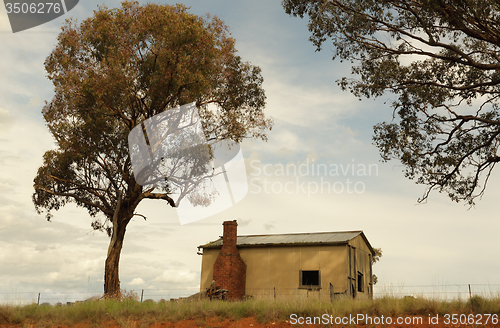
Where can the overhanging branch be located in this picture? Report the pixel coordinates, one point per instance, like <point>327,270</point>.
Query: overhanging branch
<point>152,195</point>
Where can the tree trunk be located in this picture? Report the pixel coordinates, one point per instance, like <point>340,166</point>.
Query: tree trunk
<point>111,277</point>
<point>111,274</point>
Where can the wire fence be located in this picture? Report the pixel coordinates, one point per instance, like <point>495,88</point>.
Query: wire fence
<point>68,297</point>
<point>437,292</point>
<point>440,292</point>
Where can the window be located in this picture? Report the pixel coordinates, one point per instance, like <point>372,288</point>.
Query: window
<point>310,279</point>
<point>361,287</point>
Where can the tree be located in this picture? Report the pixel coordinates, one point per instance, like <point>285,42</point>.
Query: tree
<point>375,259</point>
<point>441,60</point>
<point>111,73</point>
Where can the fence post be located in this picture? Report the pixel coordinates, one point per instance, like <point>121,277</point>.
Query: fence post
<point>38,302</point>
<point>142,294</point>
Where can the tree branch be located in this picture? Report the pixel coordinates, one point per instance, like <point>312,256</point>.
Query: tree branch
<point>151,195</point>
<point>77,198</point>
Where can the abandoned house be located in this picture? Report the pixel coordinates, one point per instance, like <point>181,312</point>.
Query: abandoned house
<point>323,265</point>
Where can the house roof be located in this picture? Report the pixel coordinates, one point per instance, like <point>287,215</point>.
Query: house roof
<point>294,239</point>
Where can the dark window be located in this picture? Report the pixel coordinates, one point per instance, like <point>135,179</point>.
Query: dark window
<point>361,287</point>
<point>309,279</point>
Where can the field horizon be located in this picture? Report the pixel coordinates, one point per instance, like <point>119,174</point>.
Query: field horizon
<point>130,312</point>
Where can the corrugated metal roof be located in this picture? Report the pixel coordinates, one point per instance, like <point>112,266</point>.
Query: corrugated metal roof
<point>324,238</point>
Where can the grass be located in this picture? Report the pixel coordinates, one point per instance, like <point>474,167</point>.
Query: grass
<point>129,310</point>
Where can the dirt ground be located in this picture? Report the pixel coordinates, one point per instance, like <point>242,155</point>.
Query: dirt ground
<point>241,323</point>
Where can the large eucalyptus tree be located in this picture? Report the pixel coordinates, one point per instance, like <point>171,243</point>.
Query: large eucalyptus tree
<point>441,60</point>
<point>112,72</point>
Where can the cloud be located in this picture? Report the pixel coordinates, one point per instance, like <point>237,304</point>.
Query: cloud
<point>244,222</point>
<point>7,186</point>
<point>137,281</point>
<point>177,276</point>
<point>6,120</point>
<point>269,226</point>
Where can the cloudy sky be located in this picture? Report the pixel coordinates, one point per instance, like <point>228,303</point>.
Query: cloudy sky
<point>438,243</point>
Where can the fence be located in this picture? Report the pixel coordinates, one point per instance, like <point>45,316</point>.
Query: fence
<point>65,297</point>
<point>296,293</point>
<point>440,292</point>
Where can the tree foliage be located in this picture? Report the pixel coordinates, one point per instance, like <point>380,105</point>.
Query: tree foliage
<point>441,59</point>
<point>375,259</point>
<point>112,72</point>
<point>377,256</point>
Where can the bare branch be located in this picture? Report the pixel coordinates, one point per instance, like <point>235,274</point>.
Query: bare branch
<point>151,195</point>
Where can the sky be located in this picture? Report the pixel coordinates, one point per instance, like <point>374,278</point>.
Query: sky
<point>439,243</point>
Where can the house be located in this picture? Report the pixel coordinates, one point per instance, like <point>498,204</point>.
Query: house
<point>322,265</point>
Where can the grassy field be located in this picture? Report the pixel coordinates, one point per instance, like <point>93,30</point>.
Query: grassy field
<point>99,311</point>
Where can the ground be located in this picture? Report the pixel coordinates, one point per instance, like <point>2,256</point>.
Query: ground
<point>225,323</point>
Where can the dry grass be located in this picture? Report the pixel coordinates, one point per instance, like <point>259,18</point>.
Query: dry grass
<point>130,310</point>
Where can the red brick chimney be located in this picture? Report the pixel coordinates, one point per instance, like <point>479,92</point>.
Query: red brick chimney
<point>229,268</point>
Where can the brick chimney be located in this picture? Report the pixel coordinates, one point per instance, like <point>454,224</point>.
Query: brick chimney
<point>229,268</point>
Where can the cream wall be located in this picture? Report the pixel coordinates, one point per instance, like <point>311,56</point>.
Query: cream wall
<point>207,266</point>
<point>361,263</point>
<point>273,270</point>
<point>360,243</point>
